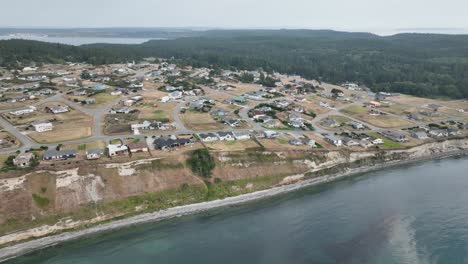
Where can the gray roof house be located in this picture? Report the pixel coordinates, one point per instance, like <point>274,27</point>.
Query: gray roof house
<point>59,154</point>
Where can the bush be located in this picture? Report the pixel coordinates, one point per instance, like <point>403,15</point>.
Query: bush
<point>201,163</point>
<point>40,201</point>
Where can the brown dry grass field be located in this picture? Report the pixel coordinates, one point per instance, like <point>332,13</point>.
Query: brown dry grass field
<point>102,99</point>
<point>156,111</point>
<point>242,88</point>
<point>86,146</point>
<point>237,145</point>
<point>384,121</point>
<point>67,126</point>
<point>281,143</point>
<point>343,120</point>
<point>200,121</point>
<point>8,140</point>
<point>313,104</point>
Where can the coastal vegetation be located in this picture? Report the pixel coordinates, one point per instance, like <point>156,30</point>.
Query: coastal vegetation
<point>201,162</point>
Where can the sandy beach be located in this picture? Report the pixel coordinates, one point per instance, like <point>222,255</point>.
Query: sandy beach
<point>33,245</point>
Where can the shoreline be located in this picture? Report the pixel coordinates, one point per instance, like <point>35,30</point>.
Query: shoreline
<point>23,248</point>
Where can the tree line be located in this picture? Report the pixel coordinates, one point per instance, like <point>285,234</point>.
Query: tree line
<point>428,65</point>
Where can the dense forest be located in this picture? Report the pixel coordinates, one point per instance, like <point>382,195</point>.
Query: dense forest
<point>429,65</point>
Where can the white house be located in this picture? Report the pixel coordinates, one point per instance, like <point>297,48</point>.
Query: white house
<point>334,140</point>
<point>23,111</point>
<point>175,95</point>
<point>57,109</point>
<point>227,136</point>
<point>94,154</point>
<point>23,160</point>
<point>241,135</point>
<point>42,126</point>
<point>270,134</point>
<point>210,137</point>
<point>129,102</point>
<point>117,150</point>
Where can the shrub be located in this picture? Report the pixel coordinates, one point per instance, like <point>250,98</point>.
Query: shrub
<point>201,163</point>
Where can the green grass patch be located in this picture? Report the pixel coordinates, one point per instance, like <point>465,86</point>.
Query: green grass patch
<point>388,143</point>
<point>201,162</point>
<point>230,143</point>
<point>40,201</point>
<point>354,109</point>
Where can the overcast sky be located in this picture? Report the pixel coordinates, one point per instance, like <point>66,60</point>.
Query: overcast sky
<point>334,14</point>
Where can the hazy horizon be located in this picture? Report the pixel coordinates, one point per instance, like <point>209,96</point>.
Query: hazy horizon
<point>374,16</point>
<point>381,31</point>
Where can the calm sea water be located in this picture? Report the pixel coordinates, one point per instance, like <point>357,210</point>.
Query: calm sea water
<point>80,40</point>
<point>413,214</point>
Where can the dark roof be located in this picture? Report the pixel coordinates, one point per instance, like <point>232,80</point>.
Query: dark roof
<point>207,135</point>
<point>223,134</point>
<point>169,142</point>
<point>54,153</point>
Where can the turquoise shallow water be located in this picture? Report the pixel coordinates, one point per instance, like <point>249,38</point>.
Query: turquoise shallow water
<point>412,214</point>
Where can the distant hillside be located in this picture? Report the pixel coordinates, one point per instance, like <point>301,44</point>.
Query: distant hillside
<point>428,65</point>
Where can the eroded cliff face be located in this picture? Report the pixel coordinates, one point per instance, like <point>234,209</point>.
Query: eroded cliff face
<point>45,194</point>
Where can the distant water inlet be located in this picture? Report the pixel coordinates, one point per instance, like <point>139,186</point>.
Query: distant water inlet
<point>416,214</point>
<point>76,41</point>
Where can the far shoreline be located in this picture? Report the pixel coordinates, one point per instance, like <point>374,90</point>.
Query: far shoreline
<point>24,248</point>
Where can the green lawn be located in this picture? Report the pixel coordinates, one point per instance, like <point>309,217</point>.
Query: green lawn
<point>388,143</point>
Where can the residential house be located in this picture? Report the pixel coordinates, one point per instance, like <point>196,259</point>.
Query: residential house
<point>137,147</point>
<point>53,154</point>
<point>270,134</point>
<point>23,111</point>
<point>330,122</point>
<point>170,143</point>
<point>129,102</point>
<point>374,104</point>
<point>419,135</point>
<point>296,124</point>
<point>309,142</point>
<point>176,95</point>
<point>241,135</point>
<point>269,122</point>
<point>438,133</point>
<point>395,136</point>
<point>123,110</point>
<point>464,126</point>
<point>98,87</point>
<point>232,122</point>
<point>282,103</point>
<point>80,92</point>
<point>376,140</point>
<point>295,142</point>
<point>238,100</point>
<point>415,116</point>
<point>209,137</point>
<point>356,125</point>
<point>89,101</point>
<point>42,126</point>
<point>255,95</point>
<point>220,112</point>
<point>334,140</point>
<point>23,160</point>
<point>94,154</point>
<point>365,143</point>
<point>350,142</point>
<point>226,136</point>
<point>324,104</point>
<point>117,150</point>
<point>57,109</point>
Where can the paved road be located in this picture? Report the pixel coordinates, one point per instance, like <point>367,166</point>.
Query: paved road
<point>98,115</point>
